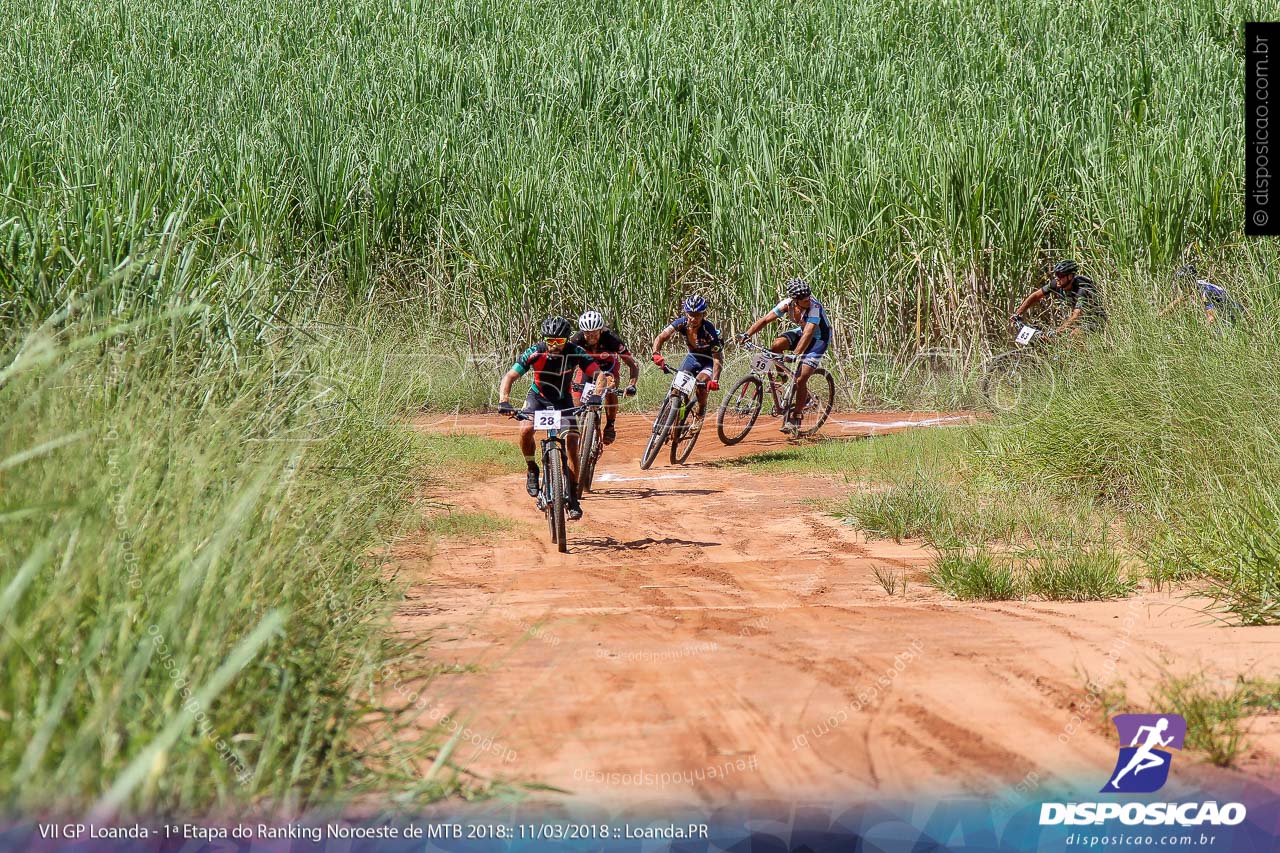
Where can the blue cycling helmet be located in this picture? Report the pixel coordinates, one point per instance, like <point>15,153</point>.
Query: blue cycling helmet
<point>695,303</point>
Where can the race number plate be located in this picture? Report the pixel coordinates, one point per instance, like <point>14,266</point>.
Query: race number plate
<point>588,389</point>
<point>759,363</point>
<point>546,419</point>
<point>1025,335</point>
<point>684,382</point>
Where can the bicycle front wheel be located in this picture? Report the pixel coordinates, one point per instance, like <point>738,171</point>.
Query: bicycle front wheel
<point>822,396</point>
<point>588,450</point>
<point>1007,377</point>
<point>661,431</point>
<point>682,438</point>
<point>737,414</point>
<point>554,467</point>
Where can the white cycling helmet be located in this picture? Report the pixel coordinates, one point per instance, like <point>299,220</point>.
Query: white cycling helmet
<point>591,321</point>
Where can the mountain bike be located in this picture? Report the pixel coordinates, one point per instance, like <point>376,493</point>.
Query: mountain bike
<point>591,442</point>
<point>672,421</point>
<point>1006,376</point>
<point>741,406</point>
<point>553,496</point>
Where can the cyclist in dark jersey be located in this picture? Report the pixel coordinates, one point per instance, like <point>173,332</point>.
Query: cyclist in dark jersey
<point>1217,303</point>
<point>608,350</point>
<point>809,338</point>
<point>1078,291</point>
<point>706,350</point>
<point>552,362</point>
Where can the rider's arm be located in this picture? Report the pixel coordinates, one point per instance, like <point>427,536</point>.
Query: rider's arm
<point>662,338</point>
<point>504,390</point>
<point>717,362</point>
<point>633,367</point>
<point>1032,298</point>
<point>764,320</point>
<point>1076,314</point>
<point>806,338</point>
<point>1174,304</point>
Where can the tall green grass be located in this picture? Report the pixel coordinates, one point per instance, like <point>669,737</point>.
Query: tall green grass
<point>193,613</point>
<point>499,159</point>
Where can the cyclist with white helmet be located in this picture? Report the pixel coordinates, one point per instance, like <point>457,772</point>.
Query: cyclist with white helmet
<point>706,349</point>
<point>604,345</point>
<point>808,338</point>
<point>551,363</point>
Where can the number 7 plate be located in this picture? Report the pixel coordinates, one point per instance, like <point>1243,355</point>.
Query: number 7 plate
<point>684,382</point>
<point>1025,335</point>
<point>546,419</point>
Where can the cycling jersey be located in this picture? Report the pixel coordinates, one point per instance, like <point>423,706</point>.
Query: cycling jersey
<point>706,340</point>
<point>553,372</point>
<point>605,352</point>
<point>1083,295</point>
<point>816,314</point>
<point>1217,299</point>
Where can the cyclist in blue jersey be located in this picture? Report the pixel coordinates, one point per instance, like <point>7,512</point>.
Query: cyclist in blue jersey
<point>1217,303</point>
<point>552,362</point>
<point>706,350</point>
<point>808,339</point>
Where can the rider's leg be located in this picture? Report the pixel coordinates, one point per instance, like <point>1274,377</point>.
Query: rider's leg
<point>700,389</point>
<point>526,445</point>
<point>571,447</point>
<point>802,390</point>
<point>531,484</point>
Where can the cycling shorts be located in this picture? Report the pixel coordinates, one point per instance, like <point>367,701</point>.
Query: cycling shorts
<point>817,349</point>
<point>535,402</point>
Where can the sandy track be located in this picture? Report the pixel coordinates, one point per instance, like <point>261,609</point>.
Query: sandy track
<point>712,636</point>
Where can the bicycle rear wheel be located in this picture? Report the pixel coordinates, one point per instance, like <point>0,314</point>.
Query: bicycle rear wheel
<point>588,451</point>
<point>822,396</point>
<point>554,465</point>
<point>737,414</point>
<point>661,431</point>
<point>682,440</point>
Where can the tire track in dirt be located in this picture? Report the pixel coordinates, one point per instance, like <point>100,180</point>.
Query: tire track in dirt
<point>706,616</point>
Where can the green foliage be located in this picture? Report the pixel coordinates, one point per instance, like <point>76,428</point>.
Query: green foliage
<point>498,159</point>
<point>973,575</point>
<point>1076,574</point>
<point>193,615</point>
<point>1215,714</point>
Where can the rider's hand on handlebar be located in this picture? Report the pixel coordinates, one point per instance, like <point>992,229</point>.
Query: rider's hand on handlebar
<point>713,385</point>
<point>629,391</point>
<point>1016,318</point>
<point>505,408</point>
<point>659,360</point>
<point>743,338</point>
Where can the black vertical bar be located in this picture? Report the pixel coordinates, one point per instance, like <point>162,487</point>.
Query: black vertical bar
<point>1261,128</point>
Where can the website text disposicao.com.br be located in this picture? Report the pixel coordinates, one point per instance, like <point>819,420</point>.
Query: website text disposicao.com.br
<point>1139,841</point>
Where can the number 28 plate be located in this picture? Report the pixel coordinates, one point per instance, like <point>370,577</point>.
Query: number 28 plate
<point>546,419</point>
<point>1025,335</point>
<point>684,382</point>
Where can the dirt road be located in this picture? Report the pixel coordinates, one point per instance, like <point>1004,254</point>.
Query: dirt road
<point>712,635</point>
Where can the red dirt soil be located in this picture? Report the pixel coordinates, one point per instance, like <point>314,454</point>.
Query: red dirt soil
<point>712,636</point>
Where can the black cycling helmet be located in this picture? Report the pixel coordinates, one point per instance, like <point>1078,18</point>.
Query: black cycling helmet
<point>798,288</point>
<point>556,327</point>
<point>1065,268</point>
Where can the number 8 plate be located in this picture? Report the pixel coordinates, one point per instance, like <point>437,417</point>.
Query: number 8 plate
<point>546,419</point>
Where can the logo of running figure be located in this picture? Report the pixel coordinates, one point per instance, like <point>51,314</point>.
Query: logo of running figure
<point>1143,765</point>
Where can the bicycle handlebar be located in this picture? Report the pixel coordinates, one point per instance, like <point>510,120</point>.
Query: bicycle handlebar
<point>768,353</point>
<point>522,415</point>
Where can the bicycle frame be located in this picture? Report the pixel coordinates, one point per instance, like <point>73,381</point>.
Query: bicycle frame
<point>770,367</point>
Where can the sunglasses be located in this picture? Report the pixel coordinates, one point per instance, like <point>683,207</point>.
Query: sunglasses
<point>698,314</point>
<point>556,342</point>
